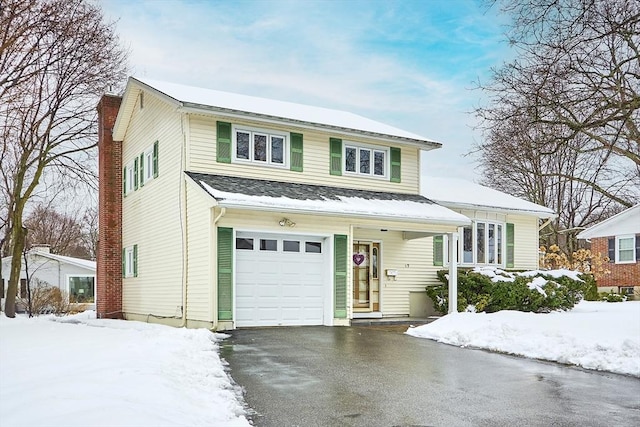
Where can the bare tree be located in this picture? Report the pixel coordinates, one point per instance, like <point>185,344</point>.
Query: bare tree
<point>90,232</point>
<point>64,233</point>
<point>562,120</point>
<point>56,58</point>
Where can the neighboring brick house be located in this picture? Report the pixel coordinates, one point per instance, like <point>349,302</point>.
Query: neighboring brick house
<point>618,238</point>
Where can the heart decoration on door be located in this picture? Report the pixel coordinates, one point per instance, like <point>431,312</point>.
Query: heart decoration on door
<point>358,259</point>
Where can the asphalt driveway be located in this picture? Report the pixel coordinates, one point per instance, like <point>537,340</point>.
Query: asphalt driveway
<point>362,376</point>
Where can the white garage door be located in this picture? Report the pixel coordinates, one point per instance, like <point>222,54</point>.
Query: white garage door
<point>280,280</point>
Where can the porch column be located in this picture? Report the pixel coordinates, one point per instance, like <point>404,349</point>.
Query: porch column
<point>453,272</point>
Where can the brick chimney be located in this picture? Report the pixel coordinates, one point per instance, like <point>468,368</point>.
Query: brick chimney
<point>109,259</point>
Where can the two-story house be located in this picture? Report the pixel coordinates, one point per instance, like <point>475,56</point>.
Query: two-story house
<point>617,238</point>
<point>223,210</point>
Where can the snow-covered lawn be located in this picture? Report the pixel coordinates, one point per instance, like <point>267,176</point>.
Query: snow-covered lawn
<point>112,373</point>
<point>594,335</point>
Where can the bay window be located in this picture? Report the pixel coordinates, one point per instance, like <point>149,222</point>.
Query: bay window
<point>482,243</point>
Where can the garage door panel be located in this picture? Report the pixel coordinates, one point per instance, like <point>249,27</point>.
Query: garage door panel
<point>279,288</point>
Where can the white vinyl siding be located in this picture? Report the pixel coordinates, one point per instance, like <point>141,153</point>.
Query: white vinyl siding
<point>414,263</point>
<point>152,216</point>
<point>200,259</point>
<point>202,158</point>
<point>412,258</point>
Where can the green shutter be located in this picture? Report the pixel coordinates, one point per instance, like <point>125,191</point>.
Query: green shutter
<point>510,245</point>
<point>135,174</point>
<point>124,262</point>
<point>335,147</point>
<point>296,152</point>
<point>124,181</point>
<point>225,273</point>
<point>340,276</point>
<point>155,159</point>
<point>396,170</point>
<point>438,250</point>
<point>224,142</point>
<point>135,260</point>
<point>141,170</point>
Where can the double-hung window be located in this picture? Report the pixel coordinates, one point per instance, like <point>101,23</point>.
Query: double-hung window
<point>367,161</point>
<point>148,164</point>
<point>130,261</point>
<point>625,249</point>
<point>130,178</point>
<point>259,147</point>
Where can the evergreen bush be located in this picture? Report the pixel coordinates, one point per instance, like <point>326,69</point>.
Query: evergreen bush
<point>539,292</point>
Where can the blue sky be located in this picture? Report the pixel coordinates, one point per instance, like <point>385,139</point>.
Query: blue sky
<point>411,64</point>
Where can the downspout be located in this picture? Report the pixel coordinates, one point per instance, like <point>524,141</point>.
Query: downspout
<point>183,222</point>
<point>220,215</point>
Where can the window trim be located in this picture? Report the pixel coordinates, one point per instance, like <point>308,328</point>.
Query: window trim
<point>130,261</point>
<point>372,149</point>
<point>130,178</point>
<point>631,237</point>
<point>499,252</point>
<point>147,168</point>
<point>69,276</point>
<point>269,133</point>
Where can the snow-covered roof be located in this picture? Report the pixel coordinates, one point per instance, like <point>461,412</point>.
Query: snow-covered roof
<point>463,194</point>
<point>625,222</point>
<point>79,262</point>
<point>200,99</point>
<point>248,193</point>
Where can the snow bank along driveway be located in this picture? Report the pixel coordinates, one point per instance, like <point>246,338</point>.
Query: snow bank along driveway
<point>112,373</point>
<point>594,335</point>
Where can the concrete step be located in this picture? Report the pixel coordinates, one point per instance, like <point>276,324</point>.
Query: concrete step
<point>393,321</point>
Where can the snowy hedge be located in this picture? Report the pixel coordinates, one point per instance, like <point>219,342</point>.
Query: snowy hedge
<point>490,289</point>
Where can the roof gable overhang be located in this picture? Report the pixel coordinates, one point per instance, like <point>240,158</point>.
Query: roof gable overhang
<point>497,209</point>
<point>135,86</point>
<point>625,222</point>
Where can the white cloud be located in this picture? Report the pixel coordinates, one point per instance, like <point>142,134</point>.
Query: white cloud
<point>381,62</point>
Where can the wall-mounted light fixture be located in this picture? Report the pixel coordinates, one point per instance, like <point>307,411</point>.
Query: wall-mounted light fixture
<point>286,222</point>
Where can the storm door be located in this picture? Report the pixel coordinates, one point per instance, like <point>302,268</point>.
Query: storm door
<point>366,266</point>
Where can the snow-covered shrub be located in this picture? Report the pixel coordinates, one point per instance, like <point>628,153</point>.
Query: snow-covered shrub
<point>47,299</point>
<point>611,297</point>
<point>491,290</point>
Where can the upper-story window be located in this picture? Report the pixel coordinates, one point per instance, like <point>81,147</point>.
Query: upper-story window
<point>259,146</point>
<point>130,177</point>
<point>363,160</point>
<point>141,170</point>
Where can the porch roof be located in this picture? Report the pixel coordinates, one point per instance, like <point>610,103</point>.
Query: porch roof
<point>246,193</point>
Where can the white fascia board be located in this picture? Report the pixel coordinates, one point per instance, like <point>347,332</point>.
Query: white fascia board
<point>485,208</point>
<point>426,145</point>
<point>604,228</point>
<point>134,87</point>
<point>231,205</point>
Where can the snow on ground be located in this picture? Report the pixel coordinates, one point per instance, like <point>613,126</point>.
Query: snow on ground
<point>79,371</point>
<point>594,335</point>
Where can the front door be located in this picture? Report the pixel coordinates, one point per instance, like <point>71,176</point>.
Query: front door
<point>366,263</point>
